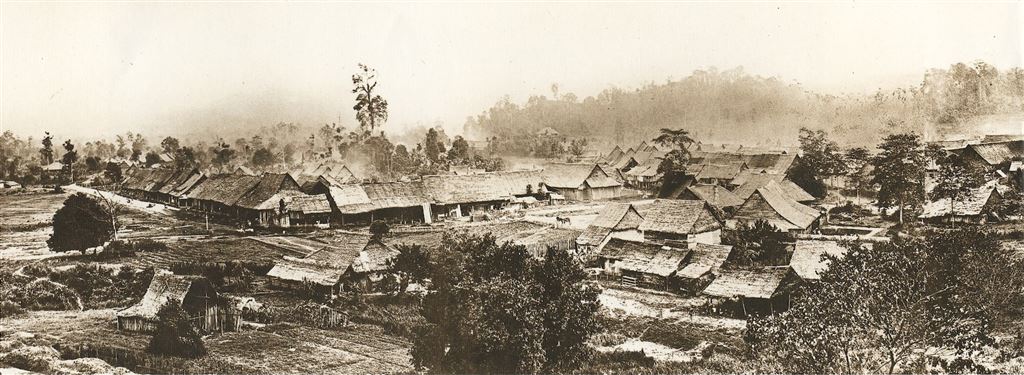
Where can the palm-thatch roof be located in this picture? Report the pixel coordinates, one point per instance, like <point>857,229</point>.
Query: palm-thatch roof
<point>164,287</point>
<point>807,260</point>
<point>999,152</point>
<point>748,183</point>
<point>576,176</point>
<point>396,194</point>
<point>704,259</point>
<point>376,256</point>
<point>614,216</point>
<point>268,187</point>
<point>644,257</point>
<point>762,283</point>
<point>680,217</point>
<point>309,204</point>
<point>483,187</point>
<point>306,270</point>
<point>715,195</point>
<point>770,203</point>
<point>974,204</point>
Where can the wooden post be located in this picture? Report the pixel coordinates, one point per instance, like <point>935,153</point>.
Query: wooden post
<point>743,302</point>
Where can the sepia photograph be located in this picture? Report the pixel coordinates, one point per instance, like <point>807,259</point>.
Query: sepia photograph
<point>511,187</point>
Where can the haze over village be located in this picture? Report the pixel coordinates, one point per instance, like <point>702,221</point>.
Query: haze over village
<point>511,188</point>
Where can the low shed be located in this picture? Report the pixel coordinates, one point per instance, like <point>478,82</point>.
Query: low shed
<point>206,310</point>
<point>755,290</point>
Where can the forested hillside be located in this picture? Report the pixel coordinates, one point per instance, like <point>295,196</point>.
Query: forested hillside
<point>732,106</point>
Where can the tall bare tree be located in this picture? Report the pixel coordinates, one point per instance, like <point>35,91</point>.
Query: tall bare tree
<point>371,109</point>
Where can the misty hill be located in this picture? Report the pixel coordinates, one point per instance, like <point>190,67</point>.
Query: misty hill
<point>734,107</point>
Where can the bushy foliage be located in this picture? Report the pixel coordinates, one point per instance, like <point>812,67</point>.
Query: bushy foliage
<point>80,224</point>
<point>101,287</point>
<point>494,308</point>
<point>760,243</point>
<point>412,265</point>
<point>174,334</point>
<point>875,310</point>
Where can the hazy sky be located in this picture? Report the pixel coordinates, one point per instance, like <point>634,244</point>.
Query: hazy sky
<point>88,69</point>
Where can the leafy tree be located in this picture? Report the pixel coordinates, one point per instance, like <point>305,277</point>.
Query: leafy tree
<point>69,159</point>
<point>759,243</point>
<point>856,159</point>
<point>80,224</point>
<point>46,153</point>
<point>223,154</point>
<point>900,172</point>
<point>263,157</point>
<point>412,264</point>
<point>577,147</point>
<point>433,147</point>
<point>821,157</point>
<point>570,311</point>
<point>874,309</point>
<point>459,152</point>
<point>379,229</point>
<point>174,333</point>
<point>152,158</point>
<point>170,145</point>
<point>371,109</point>
<point>185,157</point>
<point>495,309</point>
<point>113,172</point>
<point>956,180</point>
<point>674,163</point>
<point>92,163</point>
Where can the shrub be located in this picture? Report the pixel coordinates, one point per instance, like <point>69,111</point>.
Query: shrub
<point>147,245</point>
<point>114,250</point>
<point>174,334</point>
<point>10,308</point>
<point>80,224</point>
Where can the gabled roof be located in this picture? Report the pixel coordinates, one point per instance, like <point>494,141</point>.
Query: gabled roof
<point>225,189</point>
<point>999,152</point>
<point>795,215</point>
<point>570,175</point>
<point>267,186</point>
<point>482,187</point>
<point>716,195</point>
<point>164,286</point>
<point>649,168</point>
<point>807,256</point>
<point>347,198</point>
<point>306,270</point>
<point>547,131</point>
<point>615,216</point>
<point>396,194</point>
<point>186,187</point>
<point>971,205</point>
<point>704,259</point>
<point>751,182</point>
<point>680,216</point>
<point>309,204</point>
<point>614,154</point>
<point>375,257</point>
<point>760,283</point>
<point>720,171</point>
<point>244,170</point>
<point>644,257</point>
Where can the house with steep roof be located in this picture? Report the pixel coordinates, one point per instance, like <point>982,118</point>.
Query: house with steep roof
<point>676,222</point>
<point>716,195</point>
<point>994,155</point>
<point>979,206</point>
<point>753,290</point>
<point>264,204</point>
<point>580,182</point>
<point>702,266</point>
<point>616,220</point>
<point>458,196</point>
<point>196,295</point>
<point>771,203</point>
<point>643,264</point>
<point>809,257</point>
<point>350,261</point>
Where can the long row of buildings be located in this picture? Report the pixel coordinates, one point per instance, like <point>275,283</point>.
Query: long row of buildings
<point>283,200</point>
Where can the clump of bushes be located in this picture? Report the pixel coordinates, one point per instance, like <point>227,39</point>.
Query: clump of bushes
<point>10,308</point>
<point>174,334</point>
<point>94,286</point>
<point>233,276</point>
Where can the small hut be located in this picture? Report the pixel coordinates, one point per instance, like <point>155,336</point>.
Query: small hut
<point>755,290</point>
<point>207,311</point>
